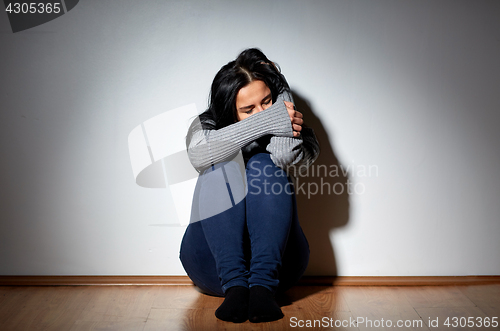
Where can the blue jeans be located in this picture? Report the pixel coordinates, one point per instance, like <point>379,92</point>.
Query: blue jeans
<point>257,241</point>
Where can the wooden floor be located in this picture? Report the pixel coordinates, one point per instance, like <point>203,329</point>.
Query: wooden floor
<point>184,308</point>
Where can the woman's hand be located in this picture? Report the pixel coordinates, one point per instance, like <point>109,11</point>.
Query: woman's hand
<point>295,118</point>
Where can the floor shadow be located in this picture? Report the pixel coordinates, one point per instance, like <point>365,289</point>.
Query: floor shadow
<point>297,293</point>
<point>322,197</point>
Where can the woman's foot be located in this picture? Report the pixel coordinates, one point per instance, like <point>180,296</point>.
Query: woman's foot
<point>235,306</point>
<point>262,306</point>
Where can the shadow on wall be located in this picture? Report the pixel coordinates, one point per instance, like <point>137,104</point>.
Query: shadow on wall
<point>323,201</point>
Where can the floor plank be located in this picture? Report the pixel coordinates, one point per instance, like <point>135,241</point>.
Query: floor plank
<point>317,298</point>
<point>437,296</point>
<point>147,308</point>
<point>43,308</point>
<point>186,297</point>
<point>486,297</point>
<point>382,308</point>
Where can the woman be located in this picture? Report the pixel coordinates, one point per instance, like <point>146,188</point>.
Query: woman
<point>244,241</point>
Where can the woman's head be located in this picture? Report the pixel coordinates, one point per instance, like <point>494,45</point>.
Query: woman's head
<point>252,79</point>
<point>252,98</point>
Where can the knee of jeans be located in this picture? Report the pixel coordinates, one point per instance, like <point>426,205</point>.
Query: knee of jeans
<point>260,156</point>
<point>261,166</point>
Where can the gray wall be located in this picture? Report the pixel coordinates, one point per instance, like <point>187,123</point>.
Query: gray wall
<point>410,88</point>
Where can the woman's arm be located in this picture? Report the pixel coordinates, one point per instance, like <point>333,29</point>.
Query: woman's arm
<point>208,147</point>
<point>294,155</point>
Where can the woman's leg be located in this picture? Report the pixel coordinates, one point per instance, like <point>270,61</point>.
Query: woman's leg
<point>296,256</point>
<point>279,252</point>
<point>225,230</point>
<point>214,250</point>
<point>270,215</point>
<point>274,234</point>
<point>220,235</point>
<point>198,261</point>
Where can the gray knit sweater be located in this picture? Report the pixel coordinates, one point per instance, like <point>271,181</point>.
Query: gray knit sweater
<point>269,130</point>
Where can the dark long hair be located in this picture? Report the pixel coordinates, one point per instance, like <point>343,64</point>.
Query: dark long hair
<point>249,66</point>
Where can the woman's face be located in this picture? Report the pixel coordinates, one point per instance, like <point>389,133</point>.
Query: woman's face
<point>252,98</point>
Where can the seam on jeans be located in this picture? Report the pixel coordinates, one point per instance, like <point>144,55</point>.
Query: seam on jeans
<point>227,185</point>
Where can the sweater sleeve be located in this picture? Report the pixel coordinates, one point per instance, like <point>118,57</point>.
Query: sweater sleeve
<point>294,154</point>
<point>209,147</point>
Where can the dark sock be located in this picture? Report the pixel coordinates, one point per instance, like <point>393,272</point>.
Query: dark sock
<point>235,306</point>
<point>262,306</point>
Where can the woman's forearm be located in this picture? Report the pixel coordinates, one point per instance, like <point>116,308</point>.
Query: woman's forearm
<point>294,154</point>
<point>208,147</point>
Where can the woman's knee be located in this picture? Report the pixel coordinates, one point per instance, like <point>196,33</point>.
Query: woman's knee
<point>264,176</point>
<point>261,165</point>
